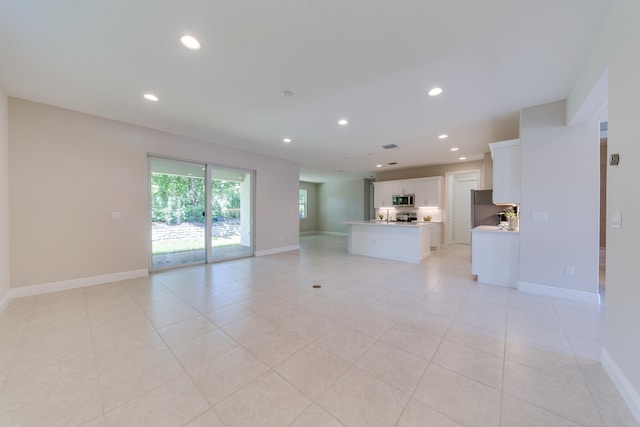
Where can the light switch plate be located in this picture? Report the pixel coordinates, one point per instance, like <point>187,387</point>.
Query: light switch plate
<point>539,216</point>
<point>116,215</point>
<point>616,220</point>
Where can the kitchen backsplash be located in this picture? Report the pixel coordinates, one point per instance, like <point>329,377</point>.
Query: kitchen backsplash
<point>435,213</point>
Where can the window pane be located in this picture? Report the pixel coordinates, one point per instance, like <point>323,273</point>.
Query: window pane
<point>302,199</point>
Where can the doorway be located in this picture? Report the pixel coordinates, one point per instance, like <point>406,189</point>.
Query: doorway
<point>200,213</point>
<point>458,216</point>
<point>603,205</point>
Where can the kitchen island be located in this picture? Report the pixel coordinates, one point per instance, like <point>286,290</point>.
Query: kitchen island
<point>399,241</point>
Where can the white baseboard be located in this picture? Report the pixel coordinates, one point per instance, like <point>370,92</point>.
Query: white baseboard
<point>44,288</point>
<point>334,233</point>
<point>5,300</point>
<point>628,393</point>
<point>329,233</point>
<point>277,250</point>
<point>552,291</point>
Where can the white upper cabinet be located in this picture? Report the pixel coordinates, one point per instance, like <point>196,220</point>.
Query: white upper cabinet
<point>428,192</point>
<point>402,187</point>
<point>382,194</point>
<point>506,171</point>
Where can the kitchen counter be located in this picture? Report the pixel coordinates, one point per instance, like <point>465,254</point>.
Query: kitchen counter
<point>399,241</point>
<point>493,229</point>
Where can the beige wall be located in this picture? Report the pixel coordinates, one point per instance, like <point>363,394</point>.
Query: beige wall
<point>623,292</point>
<point>488,172</point>
<point>433,170</point>
<point>310,223</point>
<point>560,176</point>
<point>616,51</point>
<point>69,171</point>
<point>4,196</point>
<point>342,201</point>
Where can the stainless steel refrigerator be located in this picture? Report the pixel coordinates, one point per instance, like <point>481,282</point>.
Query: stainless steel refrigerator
<point>483,211</point>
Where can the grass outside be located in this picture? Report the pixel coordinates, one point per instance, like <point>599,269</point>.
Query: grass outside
<point>170,246</point>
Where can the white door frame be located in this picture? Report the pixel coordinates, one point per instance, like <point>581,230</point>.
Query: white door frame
<point>447,214</point>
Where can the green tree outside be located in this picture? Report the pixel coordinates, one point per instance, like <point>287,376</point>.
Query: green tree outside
<point>176,199</point>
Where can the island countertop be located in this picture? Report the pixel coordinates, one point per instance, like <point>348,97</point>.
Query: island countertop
<point>378,223</point>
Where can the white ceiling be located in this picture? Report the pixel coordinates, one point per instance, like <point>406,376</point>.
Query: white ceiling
<point>369,61</point>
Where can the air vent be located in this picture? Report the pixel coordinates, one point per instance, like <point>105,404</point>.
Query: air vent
<point>389,146</point>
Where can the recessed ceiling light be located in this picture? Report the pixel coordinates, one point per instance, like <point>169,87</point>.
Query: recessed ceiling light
<point>443,136</point>
<point>343,122</point>
<point>463,158</point>
<point>287,140</point>
<point>454,149</point>
<point>435,91</point>
<point>190,42</point>
<point>378,166</point>
<point>151,97</point>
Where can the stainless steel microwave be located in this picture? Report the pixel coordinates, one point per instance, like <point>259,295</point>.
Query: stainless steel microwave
<point>403,200</point>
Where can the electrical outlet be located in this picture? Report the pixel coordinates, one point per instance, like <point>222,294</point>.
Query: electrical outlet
<point>569,270</point>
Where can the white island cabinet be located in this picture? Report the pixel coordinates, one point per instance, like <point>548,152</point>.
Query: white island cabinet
<point>399,241</point>
<point>495,255</point>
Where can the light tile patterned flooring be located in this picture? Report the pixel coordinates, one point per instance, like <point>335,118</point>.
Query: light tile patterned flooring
<point>251,343</point>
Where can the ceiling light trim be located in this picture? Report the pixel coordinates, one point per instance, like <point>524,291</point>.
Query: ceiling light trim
<point>190,42</point>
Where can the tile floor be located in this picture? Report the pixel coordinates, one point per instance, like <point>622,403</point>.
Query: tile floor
<point>251,343</point>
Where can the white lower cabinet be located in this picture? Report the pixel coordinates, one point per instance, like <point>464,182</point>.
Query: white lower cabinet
<point>495,256</point>
<point>436,231</point>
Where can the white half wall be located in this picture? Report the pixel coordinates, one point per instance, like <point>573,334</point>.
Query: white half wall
<point>560,177</point>
<point>5,283</point>
<point>69,171</point>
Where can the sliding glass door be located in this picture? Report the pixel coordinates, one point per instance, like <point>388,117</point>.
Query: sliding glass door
<point>190,201</point>
<point>231,218</point>
<point>177,205</point>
